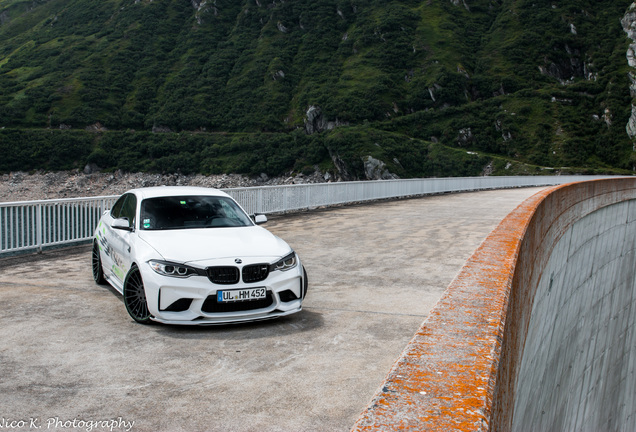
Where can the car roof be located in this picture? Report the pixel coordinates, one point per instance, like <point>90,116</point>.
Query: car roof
<point>165,191</point>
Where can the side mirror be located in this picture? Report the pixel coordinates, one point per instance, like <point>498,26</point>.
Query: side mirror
<point>260,219</point>
<point>121,224</point>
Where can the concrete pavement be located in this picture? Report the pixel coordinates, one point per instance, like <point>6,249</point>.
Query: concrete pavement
<point>70,351</point>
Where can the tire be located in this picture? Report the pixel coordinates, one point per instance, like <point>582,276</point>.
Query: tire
<point>305,282</point>
<point>98,270</point>
<point>135,296</point>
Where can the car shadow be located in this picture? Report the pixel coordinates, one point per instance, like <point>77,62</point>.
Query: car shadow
<point>113,291</point>
<point>300,322</point>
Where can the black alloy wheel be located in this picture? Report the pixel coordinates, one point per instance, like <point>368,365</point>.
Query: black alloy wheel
<point>135,296</point>
<point>98,271</point>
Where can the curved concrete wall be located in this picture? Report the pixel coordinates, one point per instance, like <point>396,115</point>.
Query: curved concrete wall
<point>537,330</point>
<point>577,368</point>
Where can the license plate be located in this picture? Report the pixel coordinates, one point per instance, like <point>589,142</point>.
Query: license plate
<point>241,295</point>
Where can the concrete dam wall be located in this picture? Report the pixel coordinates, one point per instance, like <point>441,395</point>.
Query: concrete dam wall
<point>537,331</point>
<point>577,368</point>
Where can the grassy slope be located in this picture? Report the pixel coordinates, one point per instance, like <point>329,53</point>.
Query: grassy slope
<point>400,73</point>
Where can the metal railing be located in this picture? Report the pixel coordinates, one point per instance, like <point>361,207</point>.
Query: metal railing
<point>277,199</point>
<point>34,225</point>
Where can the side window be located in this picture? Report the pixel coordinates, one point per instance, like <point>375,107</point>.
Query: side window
<point>116,210</point>
<point>129,209</point>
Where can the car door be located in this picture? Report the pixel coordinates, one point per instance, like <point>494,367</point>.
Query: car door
<point>105,237</point>
<point>122,239</point>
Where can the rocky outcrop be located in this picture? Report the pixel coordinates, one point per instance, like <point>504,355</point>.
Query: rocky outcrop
<point>607,117</point>
<point>573,29</point>
<point>431,91</point>
<point>465,137</point>
<point>160,129</point>
<point>505,134</point>
<point>91,168</point>
<point>629,26</point>
<point>567,67</point>
<point>315,121</point>
<point>281,27</point>
<point>459,2</point>
<point>202,7</point>
<point>631,125</point>
<point>375,169</point>
<point>96,127</point>
<point>342,172</point>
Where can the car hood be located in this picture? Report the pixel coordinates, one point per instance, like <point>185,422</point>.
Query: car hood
<point>206,244</point>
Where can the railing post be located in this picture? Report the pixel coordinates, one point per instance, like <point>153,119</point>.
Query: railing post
<point>285,199</point>
<point>38,227</point>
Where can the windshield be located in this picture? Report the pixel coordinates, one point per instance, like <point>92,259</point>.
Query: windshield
<point>182,212</point>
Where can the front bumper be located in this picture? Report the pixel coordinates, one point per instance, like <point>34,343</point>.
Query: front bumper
<point>192,300</point>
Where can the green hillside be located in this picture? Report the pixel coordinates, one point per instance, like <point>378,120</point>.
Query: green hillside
<point>428,87</point>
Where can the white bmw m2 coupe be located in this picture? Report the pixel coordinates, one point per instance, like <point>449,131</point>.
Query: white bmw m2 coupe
<point>189,255</point>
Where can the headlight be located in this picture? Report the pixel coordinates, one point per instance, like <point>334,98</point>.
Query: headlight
<point>286,263</point>
<point>166,268</point>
